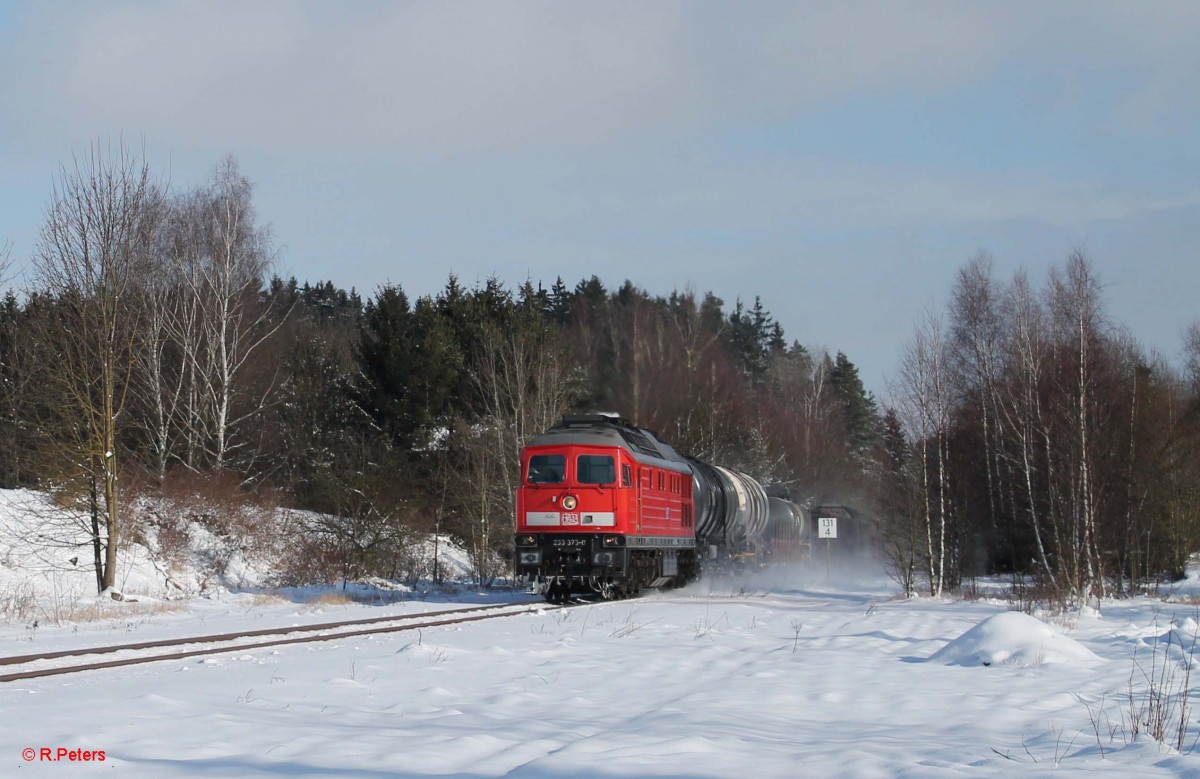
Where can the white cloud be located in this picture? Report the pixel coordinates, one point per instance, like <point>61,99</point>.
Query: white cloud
<point>430,78</point>
<point>446,77</point>
<point>787,193</point>
<point>290,76</point>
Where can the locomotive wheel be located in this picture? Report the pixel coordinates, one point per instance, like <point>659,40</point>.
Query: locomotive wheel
<point>644,567</point>
<point>618,591</point>
<point>557,593</point>
<point>687,569</point>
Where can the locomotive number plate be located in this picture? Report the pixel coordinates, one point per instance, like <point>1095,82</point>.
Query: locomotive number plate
<point>568,542</point>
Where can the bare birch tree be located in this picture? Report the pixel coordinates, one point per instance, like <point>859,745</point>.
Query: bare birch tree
<point>924,396</point>
<point>1079,320</point>
<point>217,260</point>
<point>1021,410</point>
<point>976,334</point>
<point>5,262</point>
<point>168,333</point>
<point>1191,355</point>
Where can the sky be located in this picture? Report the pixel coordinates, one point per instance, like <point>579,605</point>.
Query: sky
<point>838,160</point>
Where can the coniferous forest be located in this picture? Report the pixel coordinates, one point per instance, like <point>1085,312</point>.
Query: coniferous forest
<point>152,352</point>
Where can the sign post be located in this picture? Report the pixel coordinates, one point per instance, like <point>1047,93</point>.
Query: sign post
<point>827,529</point>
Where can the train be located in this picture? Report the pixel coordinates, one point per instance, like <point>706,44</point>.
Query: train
<point>608,508</point>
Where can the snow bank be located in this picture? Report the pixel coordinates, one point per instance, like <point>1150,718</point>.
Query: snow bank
<point>1014,639</point>
<point>172,550</point>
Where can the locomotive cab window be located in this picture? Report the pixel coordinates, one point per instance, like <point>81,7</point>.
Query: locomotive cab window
<point>596,469</point>
<point>626,475</point>
<point>547,469</point>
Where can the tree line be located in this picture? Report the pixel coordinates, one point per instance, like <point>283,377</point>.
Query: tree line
<point>1031,434</point>
<point>153,352</point>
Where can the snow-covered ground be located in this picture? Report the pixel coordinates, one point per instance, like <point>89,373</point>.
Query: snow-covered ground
<point>802,673</point>
<point>800,676</point>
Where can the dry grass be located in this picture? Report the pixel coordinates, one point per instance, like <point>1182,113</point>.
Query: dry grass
<point>98,611</point>
<point>17,604</point>
<point>1158,696</point>
<point>265,599</point>
<point>333,599</point>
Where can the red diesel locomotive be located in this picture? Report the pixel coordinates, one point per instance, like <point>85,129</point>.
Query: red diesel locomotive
<point>607,507</point>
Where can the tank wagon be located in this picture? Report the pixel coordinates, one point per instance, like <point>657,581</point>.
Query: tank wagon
<point>607,507</point>
<point>789,531</point>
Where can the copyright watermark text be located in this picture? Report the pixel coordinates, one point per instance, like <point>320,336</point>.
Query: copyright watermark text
<point>62,754</point>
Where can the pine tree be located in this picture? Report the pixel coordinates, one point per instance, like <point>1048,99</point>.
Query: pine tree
<point>562,302</point>
<point>385,363</point>
<point>898,524</point>
<point>410,365</point>
<point>752,337</point>
<point>859,411</point>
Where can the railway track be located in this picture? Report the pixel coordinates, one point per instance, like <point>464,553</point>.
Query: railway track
<point>32,666</point>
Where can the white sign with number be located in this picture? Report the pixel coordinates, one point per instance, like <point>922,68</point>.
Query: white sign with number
<point>826,527</point>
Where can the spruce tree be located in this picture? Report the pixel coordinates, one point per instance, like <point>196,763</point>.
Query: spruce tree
<point>860,413</point>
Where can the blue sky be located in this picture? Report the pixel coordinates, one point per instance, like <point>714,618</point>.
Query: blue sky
<point>840,160</point>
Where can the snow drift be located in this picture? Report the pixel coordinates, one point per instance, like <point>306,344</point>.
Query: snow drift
<point>1014,639</point>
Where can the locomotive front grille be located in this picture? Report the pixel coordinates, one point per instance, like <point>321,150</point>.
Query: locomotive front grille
<point>575,554</point>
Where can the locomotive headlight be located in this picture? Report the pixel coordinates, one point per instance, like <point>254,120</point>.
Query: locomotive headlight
<point>611,541</point>
<point>526,540</point>
<point>569,502</point>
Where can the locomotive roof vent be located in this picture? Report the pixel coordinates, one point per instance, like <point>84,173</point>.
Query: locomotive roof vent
<point>591,420</point>
<point>637,438</point>
<point>640,442</point>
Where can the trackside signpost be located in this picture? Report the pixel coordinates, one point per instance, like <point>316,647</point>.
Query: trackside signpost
<point>827,529</point>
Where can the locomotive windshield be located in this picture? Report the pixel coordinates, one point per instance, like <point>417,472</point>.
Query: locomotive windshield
<point>547,469</point>
<point>596,469</point>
